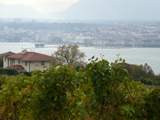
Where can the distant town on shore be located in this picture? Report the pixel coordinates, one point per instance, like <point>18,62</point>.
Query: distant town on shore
<point>100,34</point>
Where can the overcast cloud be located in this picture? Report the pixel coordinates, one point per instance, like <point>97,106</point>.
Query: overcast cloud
<point>33,8</point>
<point>82,9</point>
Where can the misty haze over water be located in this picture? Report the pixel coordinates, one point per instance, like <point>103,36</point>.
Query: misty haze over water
<point>103,34</point>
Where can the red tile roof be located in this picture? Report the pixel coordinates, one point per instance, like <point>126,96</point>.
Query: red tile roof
<point>30,56</point>
<point>7,54</point>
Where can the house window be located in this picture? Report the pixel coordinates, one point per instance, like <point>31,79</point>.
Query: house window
<point>43,63</point>
<point>18,61</point>
<point>25,63</point>
<point>12,62</point>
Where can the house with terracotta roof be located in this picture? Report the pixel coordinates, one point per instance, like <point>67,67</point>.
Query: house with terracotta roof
<point>29,61</point>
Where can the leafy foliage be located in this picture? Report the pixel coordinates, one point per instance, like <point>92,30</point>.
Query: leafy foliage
<point>69,54</point>
<point>14,92</point>
<point>99,91</point>
<point>8,71</point>
<point>152,105</point>
<point>143,73</point>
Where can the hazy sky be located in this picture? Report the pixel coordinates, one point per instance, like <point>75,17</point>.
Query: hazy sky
<point>81,9</point>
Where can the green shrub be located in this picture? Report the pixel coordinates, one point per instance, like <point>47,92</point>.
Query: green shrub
<point>100,91</point>
<point>152,105</point>
<point>143,73</point>
<point>8,71</point>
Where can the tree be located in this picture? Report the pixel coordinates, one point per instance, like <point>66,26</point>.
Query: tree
<point>152,105</point>
<point>99,91</point>
<point>107,80</point>
<point>61,93</point>
<point>69,54</point>
<point>15,96</point>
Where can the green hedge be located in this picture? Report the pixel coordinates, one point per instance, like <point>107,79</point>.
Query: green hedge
<point>8,71</point>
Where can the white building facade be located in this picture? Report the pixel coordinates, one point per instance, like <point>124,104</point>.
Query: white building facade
<point>30,61</point>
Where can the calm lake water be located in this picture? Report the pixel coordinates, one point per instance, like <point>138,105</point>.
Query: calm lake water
<point>132,55</point>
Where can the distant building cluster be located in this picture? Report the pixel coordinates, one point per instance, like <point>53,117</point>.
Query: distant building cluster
<point>98,35</point>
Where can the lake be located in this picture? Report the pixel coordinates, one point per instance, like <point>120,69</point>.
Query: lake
<point>131,55</point>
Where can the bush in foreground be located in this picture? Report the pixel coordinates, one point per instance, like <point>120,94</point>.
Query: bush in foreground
<point>101,91</point>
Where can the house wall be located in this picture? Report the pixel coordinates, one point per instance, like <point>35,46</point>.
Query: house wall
<point>5,62</point>
<point>28,66</point>
<point>33,66</point>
